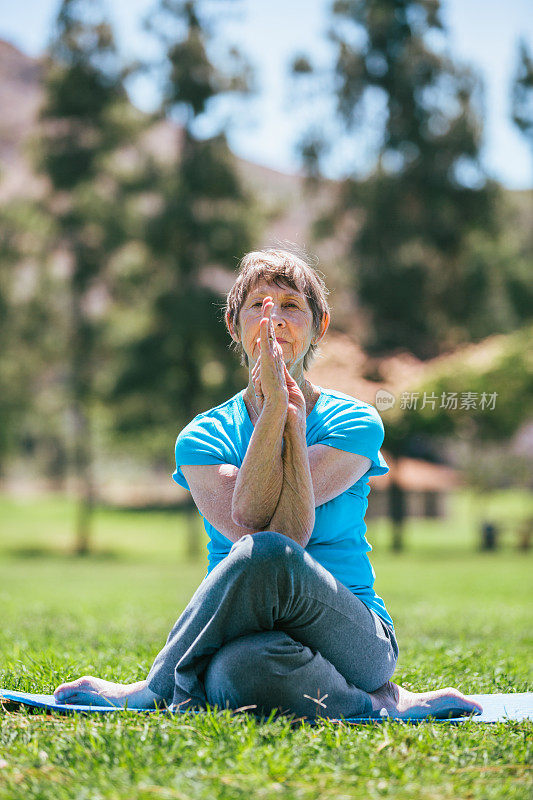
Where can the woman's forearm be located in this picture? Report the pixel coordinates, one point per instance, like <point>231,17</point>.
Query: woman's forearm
<point>258,485</point>
<point>295,512</point>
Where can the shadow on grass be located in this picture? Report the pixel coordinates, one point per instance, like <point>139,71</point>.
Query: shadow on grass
<point>39,552</point>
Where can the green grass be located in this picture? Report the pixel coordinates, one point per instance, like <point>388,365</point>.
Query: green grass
<point>463,618</point>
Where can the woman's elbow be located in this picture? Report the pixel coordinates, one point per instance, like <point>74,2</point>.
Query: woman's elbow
<point>244,519</point>
<point>300,532</point>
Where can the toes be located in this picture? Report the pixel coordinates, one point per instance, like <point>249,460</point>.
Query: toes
<point>70,699</point>
<point>75,698</point>
<point>70,687</point>
<point>61,690</point>
<point>457,706</point>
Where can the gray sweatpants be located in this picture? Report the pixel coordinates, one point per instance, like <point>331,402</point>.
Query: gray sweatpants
<point>270,627</point>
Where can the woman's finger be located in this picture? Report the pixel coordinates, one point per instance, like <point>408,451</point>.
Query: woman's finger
<point>271,336</point>
<point>263,332</point>
<point>267,328</point>
<point>256,372</point>
<point>271,369</point>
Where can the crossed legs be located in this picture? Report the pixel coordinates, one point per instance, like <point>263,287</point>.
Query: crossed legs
<point>270,627</point>
<point>270,619</point>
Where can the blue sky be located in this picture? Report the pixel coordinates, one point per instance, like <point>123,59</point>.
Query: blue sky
<point>482,33</point>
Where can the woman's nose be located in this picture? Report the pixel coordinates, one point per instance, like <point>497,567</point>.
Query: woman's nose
<point>277,317</point>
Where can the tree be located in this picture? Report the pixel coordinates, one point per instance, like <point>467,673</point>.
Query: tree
<point>25,317</point>
<point>180,363</point>
<point>522,112</point>
<point>85,118</point>
<point>427,191</point>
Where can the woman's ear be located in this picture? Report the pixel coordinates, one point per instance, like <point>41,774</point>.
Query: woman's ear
<point>231,328</point>
<point>324,325</point>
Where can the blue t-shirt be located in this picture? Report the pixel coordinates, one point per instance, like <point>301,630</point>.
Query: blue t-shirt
<point>338,542</point>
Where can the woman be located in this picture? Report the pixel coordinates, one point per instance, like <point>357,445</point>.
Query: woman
<point>286,617</point>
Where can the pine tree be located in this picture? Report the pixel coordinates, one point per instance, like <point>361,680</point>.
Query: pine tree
<point>85,118</point>
<point>427,192</point>
<point>181,363</point>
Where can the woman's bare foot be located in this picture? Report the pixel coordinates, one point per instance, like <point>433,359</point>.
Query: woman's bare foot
<point>402,704</point>
<point>92,691</point>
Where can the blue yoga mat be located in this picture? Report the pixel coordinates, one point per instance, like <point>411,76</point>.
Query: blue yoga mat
<point>496,707</point>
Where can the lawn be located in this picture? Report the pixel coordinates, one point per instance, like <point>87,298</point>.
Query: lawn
<point>463,618</point>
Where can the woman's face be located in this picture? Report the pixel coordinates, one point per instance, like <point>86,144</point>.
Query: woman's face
<point>291,316</point>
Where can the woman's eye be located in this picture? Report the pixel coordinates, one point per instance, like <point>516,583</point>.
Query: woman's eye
<point>259,304</point>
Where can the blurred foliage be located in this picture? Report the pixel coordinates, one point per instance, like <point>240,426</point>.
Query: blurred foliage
<point>438,255</point>
<point>111,334</point>
<point>428,267</point>
<point>118,331</point>
<point>26,318</point>
<point>483,470</point>
<point>478,395</point>
<point>179,363</point>
<point>491,384</point>
<point>85,118</point>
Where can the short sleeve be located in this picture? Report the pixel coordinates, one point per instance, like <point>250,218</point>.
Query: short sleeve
<point>198,443</point>
<point>356,429</point>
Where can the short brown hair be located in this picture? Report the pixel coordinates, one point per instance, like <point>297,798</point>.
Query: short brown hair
<point>282,268</point>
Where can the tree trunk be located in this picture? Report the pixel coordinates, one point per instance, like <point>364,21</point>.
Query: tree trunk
<point>56,462</point>
<point>397,513</point>
<point>84,480</point>
<point>81,384</point>
<point>193,538</point>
